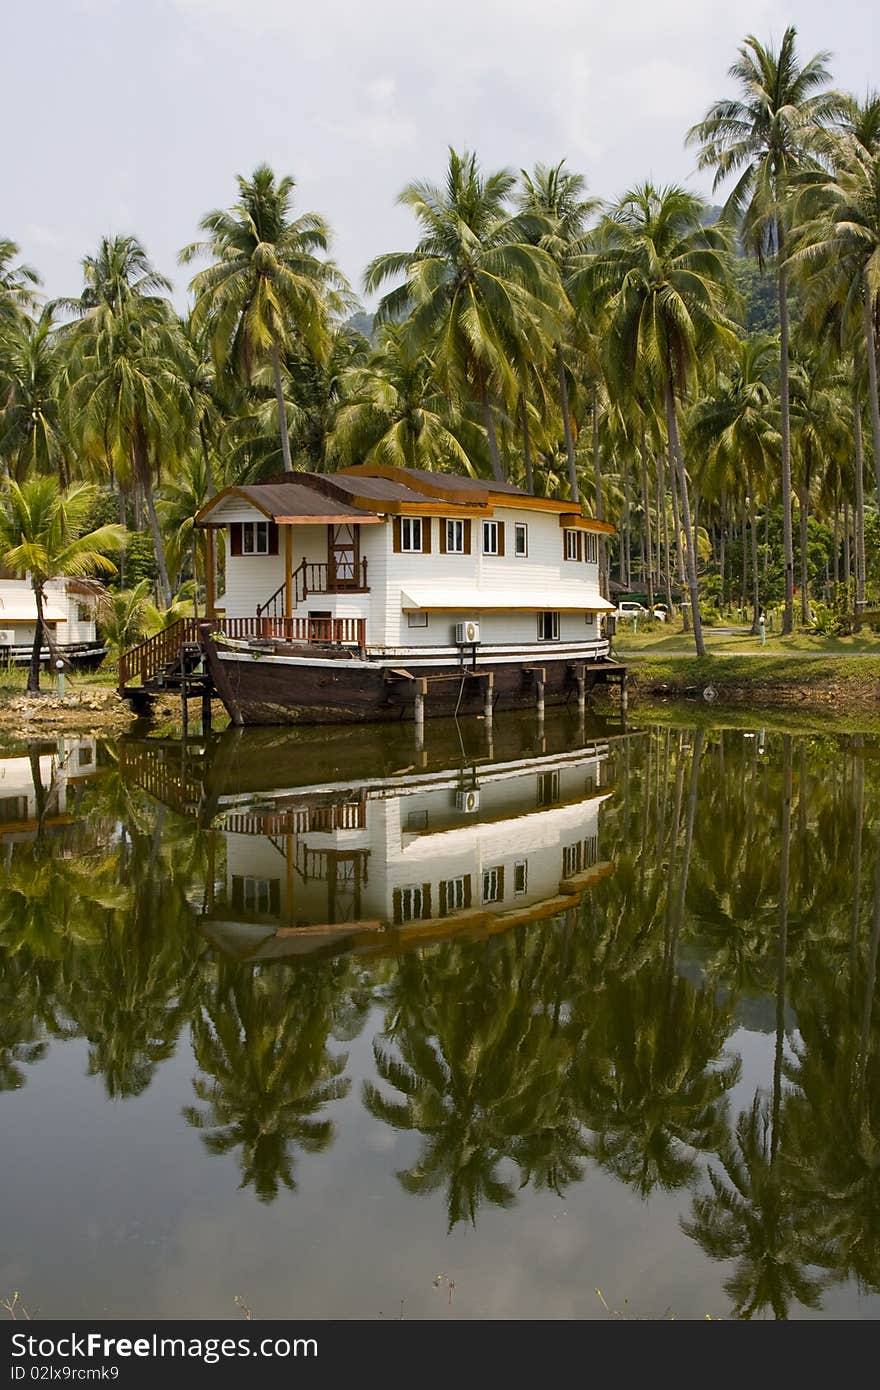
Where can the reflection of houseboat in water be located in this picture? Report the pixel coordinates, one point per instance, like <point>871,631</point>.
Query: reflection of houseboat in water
<point>36,788</point>
<point>372,863</point>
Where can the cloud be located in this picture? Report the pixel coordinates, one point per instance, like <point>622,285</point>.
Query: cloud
<point>377,121</point>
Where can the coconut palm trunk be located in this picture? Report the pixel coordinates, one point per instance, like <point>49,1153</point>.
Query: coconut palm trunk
<point>282,408</point>
<point>489,423</point>
<point>33,682</point>
<point>527,442</point>
<point>874,403</point>
<point>687,533</point>
<point>785,432</point>
<point>566,424</point>
<point>145,481</point>
<point>753,533</point>
<point>646,509</point>
<point>803,520</point>
<point>859,465</point>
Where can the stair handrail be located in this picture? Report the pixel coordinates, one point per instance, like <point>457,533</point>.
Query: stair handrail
<point>154,652</point>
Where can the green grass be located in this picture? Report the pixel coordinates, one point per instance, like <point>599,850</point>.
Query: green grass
<point>659,640</point>
<point>13,679</point>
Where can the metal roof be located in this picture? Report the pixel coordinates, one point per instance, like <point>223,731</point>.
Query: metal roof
<point>290,502</point>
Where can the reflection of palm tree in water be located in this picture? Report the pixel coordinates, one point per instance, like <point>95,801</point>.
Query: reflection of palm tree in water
<point>480,1067</point>
<point>752,1214</point>
<point>260,1039</point>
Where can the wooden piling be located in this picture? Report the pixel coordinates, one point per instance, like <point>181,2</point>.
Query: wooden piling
<point>489,696</point>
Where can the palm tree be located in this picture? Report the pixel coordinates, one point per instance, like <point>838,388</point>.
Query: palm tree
<point>17,284</point>
<point>394,412</point>
<point>734,425</point>
<point>127,388</point>
<point>558,196</point>
<point>481,297</point>
<point>43,535</point>
<point>766,136</point>
<point>266,288</point>
<point>664,276</point>
<point>843,235</point>
<point>32,436</point>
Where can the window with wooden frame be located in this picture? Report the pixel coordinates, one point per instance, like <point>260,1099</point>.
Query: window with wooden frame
<point>548,627</point>
<point>259,897</point>
<point>521,540</point>
<point>493,884</point>
<point>548,788</point>
<point>520,877</point>
<point>411,903</point>
<point>411,535</point>
<point>493,537</point>
<point>571,544</point>
<point>253,538</point>
<point>455,895</point>
<point>591,548</point>
<point>455,536</point>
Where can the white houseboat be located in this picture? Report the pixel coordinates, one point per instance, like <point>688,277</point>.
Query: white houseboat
<point>380,593</point>
<point>69,614</point>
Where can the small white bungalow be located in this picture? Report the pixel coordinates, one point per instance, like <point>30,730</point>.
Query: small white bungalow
<point>69,612</point>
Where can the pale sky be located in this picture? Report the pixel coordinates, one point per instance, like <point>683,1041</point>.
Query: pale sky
<point>136,115</point>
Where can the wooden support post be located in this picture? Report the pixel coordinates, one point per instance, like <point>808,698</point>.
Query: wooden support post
<point>206,711</point>
<point>419,711</point>
<point>539,698</point>
<point>582,691</point>
<point>624,698</point>
<point>288,571</point>
<point>489,696</point>
<point>184,708</point>
<point>210,569</point>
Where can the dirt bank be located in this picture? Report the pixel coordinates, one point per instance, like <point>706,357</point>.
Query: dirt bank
<point>95,710</point>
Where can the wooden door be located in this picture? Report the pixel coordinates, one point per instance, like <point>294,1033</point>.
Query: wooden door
<point>343,559</point>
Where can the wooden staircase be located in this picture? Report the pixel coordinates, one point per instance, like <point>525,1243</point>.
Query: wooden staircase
<point>167,662</point>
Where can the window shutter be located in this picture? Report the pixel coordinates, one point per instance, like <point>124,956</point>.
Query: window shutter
<point>442,535</point>
<point>426,535</point>
<point>579,546</point>
<point>426,899</point>
<point>467,538</point>
<point>443,907</point>
<point>565,545</point>
<point>395,527</point>
<point>467,884</point>
<point>501,538</point>
<point>396,907</point>
<point>235,538</point>
<point>500,882</point>
<point>272,539</point>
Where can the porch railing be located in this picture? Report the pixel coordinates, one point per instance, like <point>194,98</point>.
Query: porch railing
<point>347,632</point>
<point>313,578</point>
<point>157,653</point>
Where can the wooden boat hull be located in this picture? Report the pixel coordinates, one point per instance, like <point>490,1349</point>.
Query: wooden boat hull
<point>271,691</point>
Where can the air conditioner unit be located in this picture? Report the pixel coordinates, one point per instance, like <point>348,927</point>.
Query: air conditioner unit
<point>467,633</point>
<point>467,800</point>
<point>7,639</point>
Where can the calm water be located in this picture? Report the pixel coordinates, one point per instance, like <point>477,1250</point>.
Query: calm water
<point>339,1027</point>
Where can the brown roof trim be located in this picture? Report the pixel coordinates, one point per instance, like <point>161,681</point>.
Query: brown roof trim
<point>586,523</point>
<point>202,513</point>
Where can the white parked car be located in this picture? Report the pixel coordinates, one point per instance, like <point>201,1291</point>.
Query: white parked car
<point>631,608</point>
